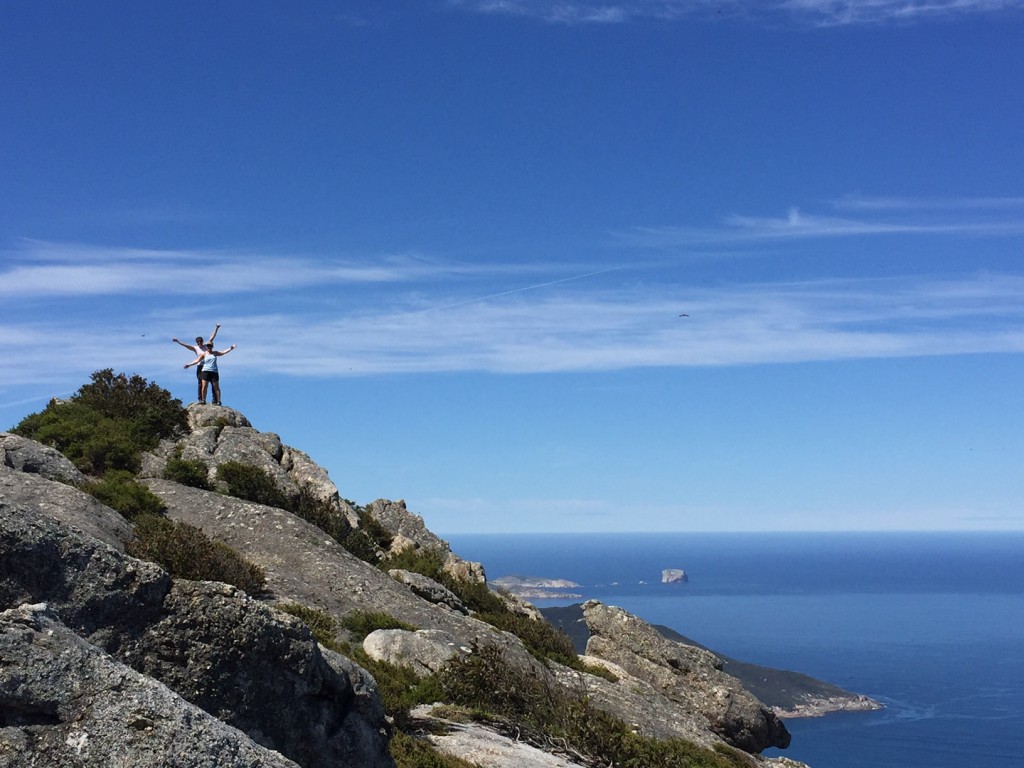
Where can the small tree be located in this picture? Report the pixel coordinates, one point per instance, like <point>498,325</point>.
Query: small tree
<point>108,423</point>
<point>150,409</point>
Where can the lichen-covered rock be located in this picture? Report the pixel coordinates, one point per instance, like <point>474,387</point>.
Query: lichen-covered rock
<point>25,455</point>
<point>219,435</point>
<point>426,651</point>
<point>214,416</point>
<point>237,659</point>
<point>428,589</point>
<point>305,565</point>
<point>230,655</point>
<point>65,503</point>
<point>64,702</point>
<point>407,527</point>
<point>685,674</point>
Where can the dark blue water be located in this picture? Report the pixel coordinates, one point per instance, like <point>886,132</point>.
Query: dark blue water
<point>931,625</point>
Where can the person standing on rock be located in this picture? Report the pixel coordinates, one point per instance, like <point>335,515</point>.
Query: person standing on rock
<point>198,349</point>
<point>208,373</point>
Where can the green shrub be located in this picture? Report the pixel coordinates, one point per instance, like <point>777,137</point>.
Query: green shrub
<point>400,688</point>
<point>151,410</point>
<point>186,552</point>
<point>120,491</point>
<point>411,752</point>
<point>361,623</point>
<point>251,483</point>
<point>485,684</point>
<point>426,561</point>
<point>95,443</point>
<point>597,671</point>
<point>320,623</point>
<point>107,424</point>
<point>321,513</point>
<point>369,540</point>
<point>541,638</point>
<point>190,472</point>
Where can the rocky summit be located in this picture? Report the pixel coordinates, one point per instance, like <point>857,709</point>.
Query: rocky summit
<point>110,660</point>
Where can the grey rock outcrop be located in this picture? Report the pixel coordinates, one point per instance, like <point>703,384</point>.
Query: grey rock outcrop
<point>409,530</point>
<point>66,504</point>
<point>219,435</point>
<point>26,455</point>
<point>685,674</point>
<point>304,565</point>
<point>64,702</point>
<point>426,650</point>
<point>212,644</point>
<point>428,589</point>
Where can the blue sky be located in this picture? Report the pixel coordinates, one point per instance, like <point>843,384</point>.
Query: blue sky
<point>453,241</point>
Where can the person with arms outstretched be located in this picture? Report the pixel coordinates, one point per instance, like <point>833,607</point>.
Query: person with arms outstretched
<point>198,348</point>
<point>208,373</point>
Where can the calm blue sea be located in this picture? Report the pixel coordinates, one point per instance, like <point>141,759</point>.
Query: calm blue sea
<point>931,625</point>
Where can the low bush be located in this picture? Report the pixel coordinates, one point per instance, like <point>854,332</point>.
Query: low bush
<point>321,513</point>
<point>411,752</point>
<point>485,684</point>
<point>94,442</point>
<point>108,423</point>
<point>191,472</point>
<point>186,552</point>
<point>541,638</point>
<point>320,623</point>
<point>400,688</point>
<point>425,561</point>
<point>251,483</point>
<point>120,491</point>
<point>361,623</point>
<point>369,540</point>
<point>150,410</point>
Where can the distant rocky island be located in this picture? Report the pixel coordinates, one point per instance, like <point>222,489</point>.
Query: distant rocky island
<point>674,576</point>
<point>533,588</point>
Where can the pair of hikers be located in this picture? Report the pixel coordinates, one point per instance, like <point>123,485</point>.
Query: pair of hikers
<point>206,358</point>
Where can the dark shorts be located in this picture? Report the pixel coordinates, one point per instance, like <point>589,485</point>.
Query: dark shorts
<point>210,376</point>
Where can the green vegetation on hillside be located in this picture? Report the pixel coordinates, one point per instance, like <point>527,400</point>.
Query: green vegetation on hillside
<point>542,639</point>
<point>120,491</point>
<point>108,423</point>
<point>184,551</point>
<point>104,429</point>
<point>488,689</point>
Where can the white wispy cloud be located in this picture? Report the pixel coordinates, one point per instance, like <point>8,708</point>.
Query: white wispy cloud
<point>814,12</point>
<point>984,217</point>
<point>567,330</point>
<point>47,269</point>
<point>896,204</point>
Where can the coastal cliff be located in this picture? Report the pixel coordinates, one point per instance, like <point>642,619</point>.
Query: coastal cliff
<point>298,669</point>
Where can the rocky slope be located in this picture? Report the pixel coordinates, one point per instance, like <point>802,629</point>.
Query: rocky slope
<point>788,694</point>
<point>205,674</point>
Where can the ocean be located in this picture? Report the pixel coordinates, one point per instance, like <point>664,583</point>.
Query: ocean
<point>929,624</point>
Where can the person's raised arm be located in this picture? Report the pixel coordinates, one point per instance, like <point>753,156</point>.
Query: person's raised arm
<point>214,334</point>
<point>186,346</point>
<point>225,351</point>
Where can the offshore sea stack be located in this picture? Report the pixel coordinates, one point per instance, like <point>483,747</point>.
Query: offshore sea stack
<point>108,660</point>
